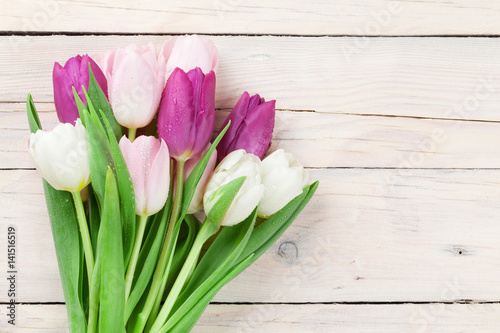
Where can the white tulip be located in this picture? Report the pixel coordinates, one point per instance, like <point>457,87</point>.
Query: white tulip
<point>283,178</point>
<point>61,156</point>
<point>235,165</point>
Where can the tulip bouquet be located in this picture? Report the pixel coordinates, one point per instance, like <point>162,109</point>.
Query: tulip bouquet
<point>150,225</point>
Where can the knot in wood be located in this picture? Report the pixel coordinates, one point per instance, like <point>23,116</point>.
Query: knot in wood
<point>288,251</point>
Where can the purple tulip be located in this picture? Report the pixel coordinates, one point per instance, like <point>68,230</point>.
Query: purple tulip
<point>75,73</point>
<point>252,124</point>
<point>187,112</point>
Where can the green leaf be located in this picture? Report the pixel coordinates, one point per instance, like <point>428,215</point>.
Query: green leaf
<point>100,102</point>
<point>214,265</point>
<point>183,246</point>
<point>187,322</point>
<point>268,232</point>
<point>82,110</point>
<point>187,314</point>
<point>112,271</point>
<point>94,295</point>
<point>33,119</point>
<point>195,175</point>
<point>222,198</point>
<point>147,260</point>
<point>100,156</point>
<point>126,189</point>
<point>66,234</point>
<point>94,218</point>
<point>222,253</point>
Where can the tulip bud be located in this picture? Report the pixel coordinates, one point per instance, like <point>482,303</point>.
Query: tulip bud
<point>148,163</point>
<point>187,112</point>
<point>237,164</point>
<point>135,80</point>
<point>189,52</point>
<point>61,156</point>
<point>252,124</point>
<point>75,73</point>
<point>197,201</point>
<point>283,178</point>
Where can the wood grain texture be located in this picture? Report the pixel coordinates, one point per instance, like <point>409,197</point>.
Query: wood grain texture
<point>367,236</point>
<point>449,78</point>
<point>324,140</point>
<point>320,318</point>
<point>401,131</point>
<point>318,17</point>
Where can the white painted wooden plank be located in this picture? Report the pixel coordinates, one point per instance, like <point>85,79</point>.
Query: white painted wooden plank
<point>318,17</point>
<point>422,77</point>
<point>324,318</point>
<point>368,235</point>
<point>326,140</point>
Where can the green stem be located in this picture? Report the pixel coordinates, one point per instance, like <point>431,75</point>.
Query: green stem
<point>131,134</point>
<point>157,303</point>
<point>129,277</point>
<point>165,255</point>
<point>84,232</point>
<point>207,230</point>
<point>94,299</point>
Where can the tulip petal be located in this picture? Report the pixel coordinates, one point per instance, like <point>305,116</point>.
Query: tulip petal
<point>236,117</point>
<point>98,74</point>
<point>243,205</point>
<point>72,67</point>
<point>252,125</point>
<point>188,52</point>
<point>237,164</point>
<point>176,116</point>
<point>257,130</point>
<point>106,62</point>
<point>65,103</point>
<point>205,118</point>
<point>67,167</point>
<point>158,179</point>
<point>148,163</point>
<point>135,167</point>
<point>132,94</point>
<point>283,178</point>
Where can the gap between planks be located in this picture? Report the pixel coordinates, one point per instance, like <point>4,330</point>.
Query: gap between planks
<point>49,107</point>
<point>201,33</point>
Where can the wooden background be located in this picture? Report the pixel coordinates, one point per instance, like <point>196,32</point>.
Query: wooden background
<point>392,105</point>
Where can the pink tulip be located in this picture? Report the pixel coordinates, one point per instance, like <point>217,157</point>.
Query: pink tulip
<point>75,73</point>
<point>252,124</point>
<point>197,202</point>
<point>189,52</point>
<point>187,112</point>
<point>148,163</point>
<point>135,78</point>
